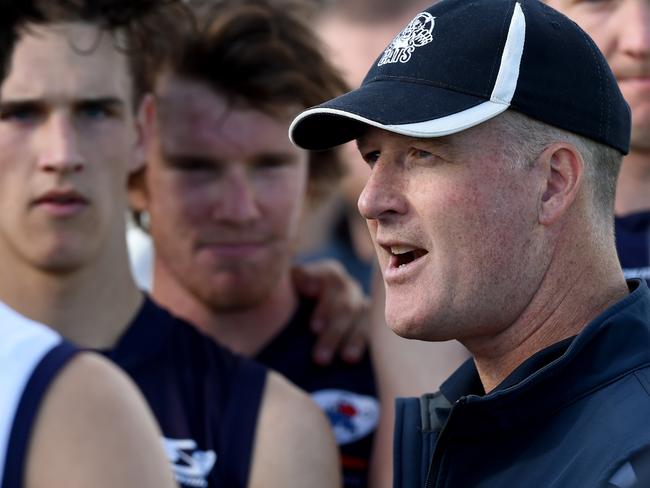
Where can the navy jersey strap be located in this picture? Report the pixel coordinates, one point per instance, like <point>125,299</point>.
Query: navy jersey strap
<point>240,419</point>
<point>28,408</point>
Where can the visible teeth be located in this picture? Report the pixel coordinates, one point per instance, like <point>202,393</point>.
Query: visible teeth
<point>397,250</point>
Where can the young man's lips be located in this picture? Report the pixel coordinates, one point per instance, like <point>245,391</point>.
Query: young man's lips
<point>62,204</point>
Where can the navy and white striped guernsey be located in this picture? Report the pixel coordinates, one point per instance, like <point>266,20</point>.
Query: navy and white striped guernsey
<point>31,355</point>
<point>205,398</point>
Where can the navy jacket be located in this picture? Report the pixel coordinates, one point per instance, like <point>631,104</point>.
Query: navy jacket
<point>569,416</point>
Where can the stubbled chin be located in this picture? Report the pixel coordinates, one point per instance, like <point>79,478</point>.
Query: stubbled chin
<point>401,322</point>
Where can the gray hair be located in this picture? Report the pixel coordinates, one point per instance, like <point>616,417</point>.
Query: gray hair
<point>523,139</point>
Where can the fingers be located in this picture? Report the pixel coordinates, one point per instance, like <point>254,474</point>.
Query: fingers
<point>356,342</point>
<point>309,278</point>
<point>340,317</point>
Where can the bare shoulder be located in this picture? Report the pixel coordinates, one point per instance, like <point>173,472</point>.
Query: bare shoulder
<point>93,429</point>
<point>294,444</point>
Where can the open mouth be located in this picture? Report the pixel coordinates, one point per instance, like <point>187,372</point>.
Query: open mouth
<point>404,255</point>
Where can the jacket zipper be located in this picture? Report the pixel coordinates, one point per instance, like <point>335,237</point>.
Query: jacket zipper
<point>432,474</point>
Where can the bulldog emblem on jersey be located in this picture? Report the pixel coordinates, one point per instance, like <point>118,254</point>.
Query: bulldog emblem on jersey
<point>418,33</point>
<point>190,465</point>
<point>352,416</point>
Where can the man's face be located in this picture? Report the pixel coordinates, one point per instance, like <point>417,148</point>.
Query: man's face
<point>621,29</point>
<point>455,230</point>
<point>67,141</point>
<point>224,191</point>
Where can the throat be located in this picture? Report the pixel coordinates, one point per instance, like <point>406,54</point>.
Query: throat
<point>244,330</point>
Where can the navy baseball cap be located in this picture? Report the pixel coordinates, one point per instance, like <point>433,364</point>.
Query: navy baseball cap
<point>462,62</point>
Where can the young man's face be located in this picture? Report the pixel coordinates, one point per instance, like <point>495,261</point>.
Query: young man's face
<point>224,191</point>
<point>454,230</point>
<point>67,141</point>
<point>621,29</point>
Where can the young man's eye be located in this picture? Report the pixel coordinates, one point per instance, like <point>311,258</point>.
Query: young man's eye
<point>190,164</point>
<point>20,114</point>
<point>271,162</point>
<point>94,111</point>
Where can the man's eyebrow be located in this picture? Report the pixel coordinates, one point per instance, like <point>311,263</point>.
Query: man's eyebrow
<point>103,101</point>
<point>444,141</point>
<point>21,102</point>
<point>11,104</point>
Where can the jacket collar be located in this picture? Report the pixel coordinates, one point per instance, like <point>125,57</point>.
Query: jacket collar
<point>615,343</point>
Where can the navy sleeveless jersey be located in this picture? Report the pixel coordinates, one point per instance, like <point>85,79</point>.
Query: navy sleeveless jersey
<point>31,356</point>
<point>633,244</point>
<point>205,398</point>
<point>346,392</point>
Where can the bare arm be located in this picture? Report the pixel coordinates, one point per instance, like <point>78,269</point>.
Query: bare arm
<point>93,429</point>
<point>294,444</point>
<point>403,368</point>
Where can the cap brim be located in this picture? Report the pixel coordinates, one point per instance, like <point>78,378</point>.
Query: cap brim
<point>410,109</point>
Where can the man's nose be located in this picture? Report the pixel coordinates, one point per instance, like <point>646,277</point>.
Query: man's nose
<point>61,150</point>
<point>383,195</point>
<point>237,201</point>
<point>635,28</point>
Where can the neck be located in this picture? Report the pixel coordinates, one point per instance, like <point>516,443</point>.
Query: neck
<point>633,187</point>
<point>244,330</point>
<point>90,306</point>
<point>573,292</point>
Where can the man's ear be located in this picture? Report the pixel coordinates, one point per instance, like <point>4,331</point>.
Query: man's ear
<point>564,170</point>
<point>138,192</point>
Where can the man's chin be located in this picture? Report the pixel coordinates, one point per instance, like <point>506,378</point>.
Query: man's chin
<point>404,326</point>
<point>229,300</point>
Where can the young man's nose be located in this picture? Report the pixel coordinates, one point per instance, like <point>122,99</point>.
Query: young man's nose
<point>635,28</point>
<point>237,200</point>
<point>61,150</point>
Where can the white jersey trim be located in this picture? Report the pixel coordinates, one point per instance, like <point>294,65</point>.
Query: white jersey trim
<point>23,344</point>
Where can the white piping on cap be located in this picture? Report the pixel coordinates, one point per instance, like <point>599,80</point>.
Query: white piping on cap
<point>502,93</point>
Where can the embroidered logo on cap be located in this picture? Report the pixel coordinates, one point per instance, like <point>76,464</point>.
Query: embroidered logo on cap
<point>418,33</point>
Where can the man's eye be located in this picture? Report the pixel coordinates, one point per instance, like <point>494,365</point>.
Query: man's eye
<point>19,114</point>
<point>190,164</point>
<point>271,162</point>
<point>94,111</point>
<point>371,157</point>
